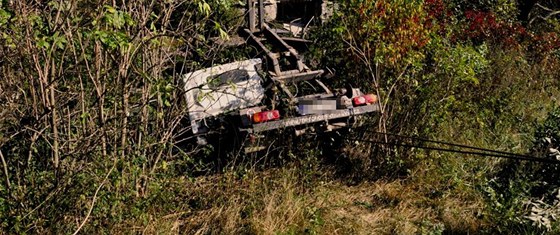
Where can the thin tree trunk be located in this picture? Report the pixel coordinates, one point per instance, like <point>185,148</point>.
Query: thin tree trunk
<point>100,89</point>
<point>54,124</point>
<point>125,95</point>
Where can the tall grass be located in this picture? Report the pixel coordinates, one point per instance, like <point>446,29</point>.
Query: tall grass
<point>283,201</point>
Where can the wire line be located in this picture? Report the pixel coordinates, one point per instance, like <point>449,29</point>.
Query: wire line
<point>485,153</point>
<point>447,143</point>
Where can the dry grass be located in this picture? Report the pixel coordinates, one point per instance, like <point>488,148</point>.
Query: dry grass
<point>280,201</point>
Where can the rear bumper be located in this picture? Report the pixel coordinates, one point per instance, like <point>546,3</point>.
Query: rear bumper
<point>297,121</point>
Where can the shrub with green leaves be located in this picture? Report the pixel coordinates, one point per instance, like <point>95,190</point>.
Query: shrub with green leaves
<point>547,145</point>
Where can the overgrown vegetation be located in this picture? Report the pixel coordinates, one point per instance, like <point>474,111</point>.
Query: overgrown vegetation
<point>94,137</point>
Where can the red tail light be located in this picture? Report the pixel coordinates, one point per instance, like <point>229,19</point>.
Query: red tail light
<point>266,116</point>
<point>365,99</point>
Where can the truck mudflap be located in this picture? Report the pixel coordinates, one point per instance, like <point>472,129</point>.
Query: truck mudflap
<point>297,121</point>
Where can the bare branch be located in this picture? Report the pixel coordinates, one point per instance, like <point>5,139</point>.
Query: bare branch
<point>544,18</point>
<point>5,169</point>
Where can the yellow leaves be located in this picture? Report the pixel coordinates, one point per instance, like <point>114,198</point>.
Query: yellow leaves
<point>204,7</point>
<point>221,32</point>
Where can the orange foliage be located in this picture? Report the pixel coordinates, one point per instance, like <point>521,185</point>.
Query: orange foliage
<point>391,31</point>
